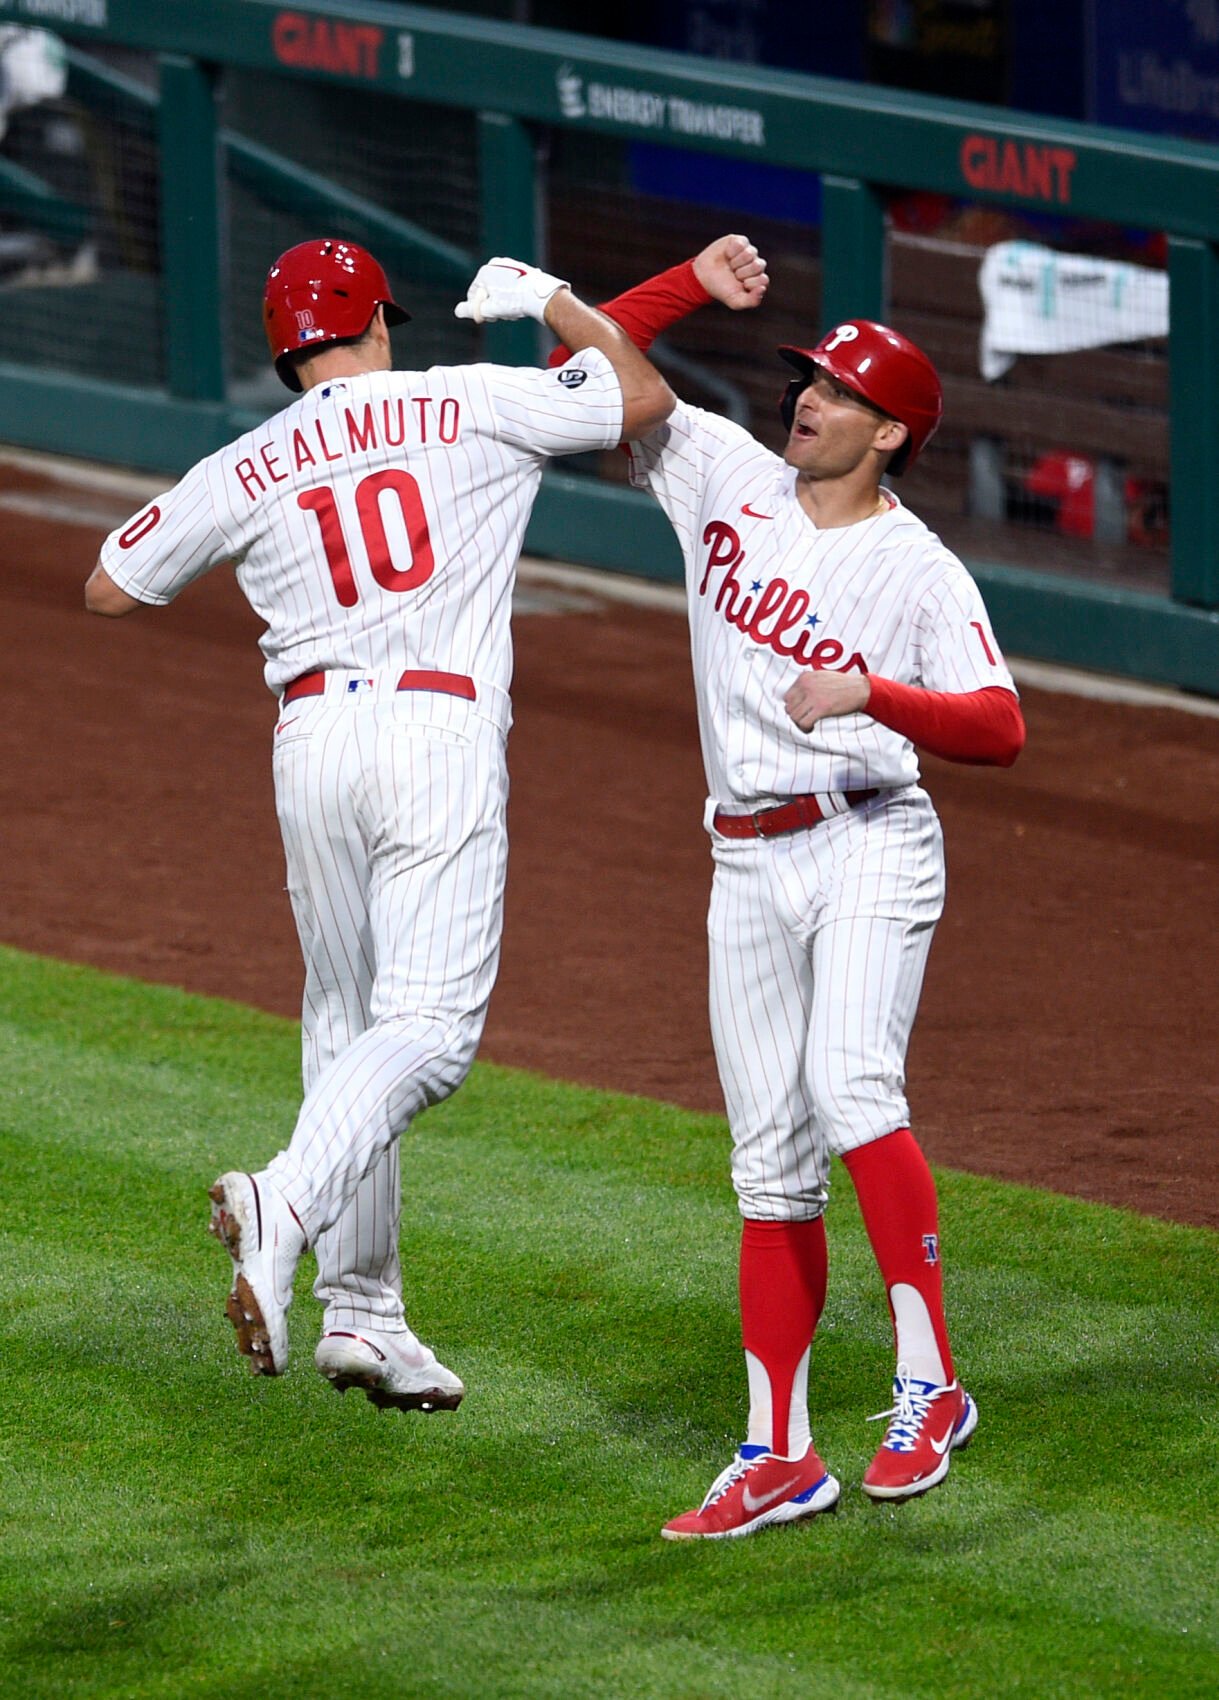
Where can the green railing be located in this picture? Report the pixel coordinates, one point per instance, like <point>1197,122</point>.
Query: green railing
<point>862,140</point>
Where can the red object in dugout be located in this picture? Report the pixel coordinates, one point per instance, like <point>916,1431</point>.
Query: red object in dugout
<point>1069,481</point>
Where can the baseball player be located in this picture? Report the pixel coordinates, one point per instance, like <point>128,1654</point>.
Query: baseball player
<point>831,633</point>
<point>375,526</point>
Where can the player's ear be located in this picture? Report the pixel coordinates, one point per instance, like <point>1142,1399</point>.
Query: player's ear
<point>378,334</point>
<point>889,436</point>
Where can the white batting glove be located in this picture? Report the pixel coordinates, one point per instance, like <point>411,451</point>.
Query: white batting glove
<point>508,289</point>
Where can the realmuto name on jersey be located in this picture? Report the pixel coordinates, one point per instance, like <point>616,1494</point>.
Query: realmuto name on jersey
<point>347,431</point>
<point>775,613</point>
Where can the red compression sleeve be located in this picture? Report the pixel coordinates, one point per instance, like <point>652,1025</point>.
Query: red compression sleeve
<point>784,1269</point>
<point>651,307</point>
<point>898,1204</point>
<point>984,727</point>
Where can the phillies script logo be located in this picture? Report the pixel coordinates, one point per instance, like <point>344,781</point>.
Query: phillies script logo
<point>1007,167</point>
<point>775,614</point>
<point>325,44</point>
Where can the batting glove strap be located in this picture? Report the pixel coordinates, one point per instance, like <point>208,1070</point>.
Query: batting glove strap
<point>508,289</point>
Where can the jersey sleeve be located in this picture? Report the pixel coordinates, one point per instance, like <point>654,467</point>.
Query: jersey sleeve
<point>957,650</point>
<point>174,540</point>
<point>674,461</point>
<point>563,411</point>
<point>651,307</point>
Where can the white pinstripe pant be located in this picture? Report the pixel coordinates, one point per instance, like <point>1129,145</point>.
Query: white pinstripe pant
<point>392,814</point>
<point>818,943</point>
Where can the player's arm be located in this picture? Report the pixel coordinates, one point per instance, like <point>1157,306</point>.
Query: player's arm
<point>167,545</point>
<point>983,727</point>
<point>103,596</point>
<point>729,270</point>
<point>508,289</point>
<point>647,400</point>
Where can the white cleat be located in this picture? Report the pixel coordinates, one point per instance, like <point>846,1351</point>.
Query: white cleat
<point>264,1239</point>
<point>397,1371</point>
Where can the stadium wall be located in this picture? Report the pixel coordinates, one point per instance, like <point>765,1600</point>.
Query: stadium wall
<point>145,355</point>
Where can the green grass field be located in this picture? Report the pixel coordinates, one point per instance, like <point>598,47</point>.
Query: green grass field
<point>174,1527</point>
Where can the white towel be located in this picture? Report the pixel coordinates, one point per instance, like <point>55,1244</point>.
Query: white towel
<point>33,68</point>
<point>1039,301</point>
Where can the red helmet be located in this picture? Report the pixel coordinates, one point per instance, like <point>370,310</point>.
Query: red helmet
<point>320,292</point>
<point>882,366</point>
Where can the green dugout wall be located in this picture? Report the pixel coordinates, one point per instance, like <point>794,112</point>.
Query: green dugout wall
<point>861,140</point>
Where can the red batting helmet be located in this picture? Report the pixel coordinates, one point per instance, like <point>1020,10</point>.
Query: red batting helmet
<point>883,367</point>
<point>320,292</point>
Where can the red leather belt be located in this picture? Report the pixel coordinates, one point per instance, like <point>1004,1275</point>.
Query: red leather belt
<point>450,684</point>
<point>796,813</point>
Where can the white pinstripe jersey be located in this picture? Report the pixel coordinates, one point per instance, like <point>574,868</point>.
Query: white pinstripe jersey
<point>770,596</point>
<point>375,524</point>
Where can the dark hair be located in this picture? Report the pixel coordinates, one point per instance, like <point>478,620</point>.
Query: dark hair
<point>296,357</point>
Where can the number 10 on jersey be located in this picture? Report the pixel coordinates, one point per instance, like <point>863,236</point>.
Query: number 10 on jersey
<point>369,491</point>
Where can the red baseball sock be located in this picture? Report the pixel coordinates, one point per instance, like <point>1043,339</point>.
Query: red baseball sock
<point>898,1203</point>
<point>783,1279</point>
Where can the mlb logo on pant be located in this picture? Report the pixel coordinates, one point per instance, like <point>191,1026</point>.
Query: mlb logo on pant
<point>931,1247</point>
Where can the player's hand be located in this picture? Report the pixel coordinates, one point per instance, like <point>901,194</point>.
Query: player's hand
<point>732,271</point>
<point>818,695</point>
<point>508,289</point>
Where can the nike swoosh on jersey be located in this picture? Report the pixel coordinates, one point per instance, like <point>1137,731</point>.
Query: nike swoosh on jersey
<point>761,1500</point>
<point>519,270</point>
<point>753,513</point>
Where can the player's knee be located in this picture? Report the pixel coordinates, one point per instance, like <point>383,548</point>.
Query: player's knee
<point>868,1120</point>
<point>855,1103</point>
<point>435,1051</point>
<point>451,1073</point>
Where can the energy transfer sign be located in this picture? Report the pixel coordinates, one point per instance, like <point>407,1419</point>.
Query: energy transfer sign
<point>667,115</point>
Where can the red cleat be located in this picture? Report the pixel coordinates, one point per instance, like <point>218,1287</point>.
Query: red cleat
<point>757,1489</point>
<point>926,1425</point>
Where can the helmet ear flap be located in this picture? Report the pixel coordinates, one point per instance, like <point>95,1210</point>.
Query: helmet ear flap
<point>788,400</point>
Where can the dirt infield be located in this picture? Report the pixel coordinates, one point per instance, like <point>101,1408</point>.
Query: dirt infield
<point>1067,1036</point>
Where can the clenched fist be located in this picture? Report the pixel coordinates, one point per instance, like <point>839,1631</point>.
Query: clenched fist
<point>818,695</point>
<point>508,289</point>
<point>731,270</point>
